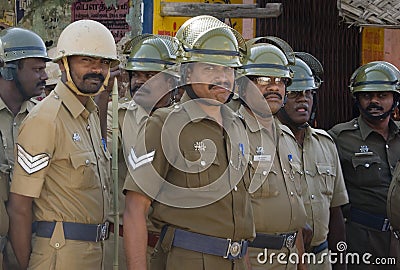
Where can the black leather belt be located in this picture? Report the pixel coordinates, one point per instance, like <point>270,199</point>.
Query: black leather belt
<point>320,247</point>
<point>271,241</point>
<point>225,248</point>
<point>373,221</point>
<point>75,231</point>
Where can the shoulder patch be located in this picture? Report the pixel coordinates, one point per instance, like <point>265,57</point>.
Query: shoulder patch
<point>29,163</point>
<point>137,161</point>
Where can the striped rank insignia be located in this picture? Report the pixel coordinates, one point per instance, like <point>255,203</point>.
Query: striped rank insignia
<point>29,163</point>
<point>136,161</point>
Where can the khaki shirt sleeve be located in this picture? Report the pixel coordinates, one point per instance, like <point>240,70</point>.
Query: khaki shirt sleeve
<point>147,165</point>
<point>35,147</point>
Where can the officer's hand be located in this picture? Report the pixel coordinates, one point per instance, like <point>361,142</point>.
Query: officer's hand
<point>114,72</point>
<point>307,236</point>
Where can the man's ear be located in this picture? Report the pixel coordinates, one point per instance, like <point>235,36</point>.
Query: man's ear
<point>61,65</point>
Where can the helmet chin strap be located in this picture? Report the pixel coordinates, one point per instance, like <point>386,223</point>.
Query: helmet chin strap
<point>377,117</point>
<point>71,85</point>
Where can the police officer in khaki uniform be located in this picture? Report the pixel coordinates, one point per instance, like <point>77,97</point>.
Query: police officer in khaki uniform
<point>276,168</point>
<point>193,163</point>
<point>369,148</point>
<point>23,57</point>
<point>323,185</point>
<point>62,169</point>
<point>149,55</point>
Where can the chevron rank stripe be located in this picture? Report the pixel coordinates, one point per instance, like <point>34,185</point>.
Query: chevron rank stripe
<point>136,162</point>
<point>29,163</point>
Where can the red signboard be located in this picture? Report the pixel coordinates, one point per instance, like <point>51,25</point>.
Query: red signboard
<point>113,17</point>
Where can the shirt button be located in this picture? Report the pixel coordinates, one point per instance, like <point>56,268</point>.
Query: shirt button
<point>235,188</point>
<point>312,196</point>
<point>328,172</point>
<point>57,245</point>
<point>87,162</point>
<point>104,187</point>
<point>284,170</point>
<point>14,124</point>
<point>88,127</point>
<point>307,172</point>
<point>366,165</point>
<point>230,162</point>
<point>203,163</point>
<point>387,146</point>
<point>291,193</point>
<point>264,172</point>
<point>56,97</point>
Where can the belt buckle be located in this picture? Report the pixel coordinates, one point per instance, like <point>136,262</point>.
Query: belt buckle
<point>234,249</point>
<point>290,240</point>
<point>102,231</point>
<point>386,225</point>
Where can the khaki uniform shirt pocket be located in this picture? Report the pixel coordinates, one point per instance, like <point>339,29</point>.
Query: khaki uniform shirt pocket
<point>367,170</point>
<point>264,178</point>
<point>198,168</point>
<point>327,176</point>
<point>85,165</point>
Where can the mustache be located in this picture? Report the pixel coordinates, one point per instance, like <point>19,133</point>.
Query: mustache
<point>41,83</point>
<point>374,106</point>
<point>266,94</point>
<point>226,85</point>
<point>93,76</point>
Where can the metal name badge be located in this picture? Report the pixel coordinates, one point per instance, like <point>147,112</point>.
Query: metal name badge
<point>262,158</point>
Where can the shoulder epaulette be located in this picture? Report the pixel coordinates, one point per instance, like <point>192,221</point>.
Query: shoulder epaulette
<point>323,133</point>
<point>351,125</point>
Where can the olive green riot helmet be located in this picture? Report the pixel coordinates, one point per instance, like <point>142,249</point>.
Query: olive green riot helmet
<point>151,52</point>
<point>207,39</point>
<point>375,76</point>
<point>271,58</point>
<point>18,43</point>
<point>307,72</point>
<point>86,38</point>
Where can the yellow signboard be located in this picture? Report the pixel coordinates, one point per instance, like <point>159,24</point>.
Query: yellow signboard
<point>372,44</point>
<point>169,25</point>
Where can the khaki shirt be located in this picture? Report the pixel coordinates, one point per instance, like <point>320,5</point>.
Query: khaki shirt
<point>277,203</point>
<point>9,126</point>
<point>323,185</point>
<point>133,117</point>
<point>209,157</point>
<point>69,179</point>
<point>368,162</point>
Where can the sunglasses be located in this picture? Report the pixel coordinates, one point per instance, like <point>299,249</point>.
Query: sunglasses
<point>305,93</point>
<point>267,80</point>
